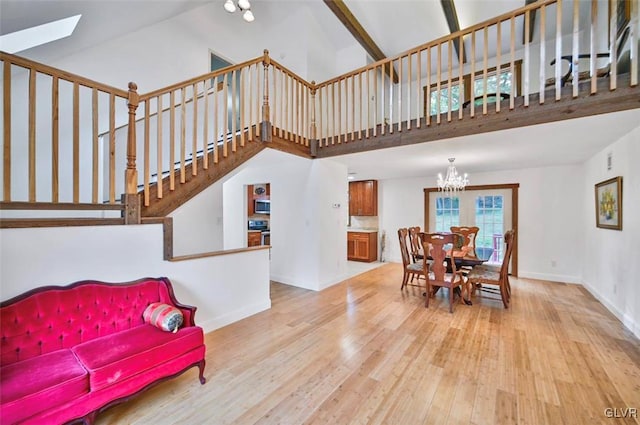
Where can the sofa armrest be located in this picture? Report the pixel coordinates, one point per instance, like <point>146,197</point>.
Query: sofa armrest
<point>168,295</point>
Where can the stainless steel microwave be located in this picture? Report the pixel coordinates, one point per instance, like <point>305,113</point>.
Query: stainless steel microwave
<point>262,206</point>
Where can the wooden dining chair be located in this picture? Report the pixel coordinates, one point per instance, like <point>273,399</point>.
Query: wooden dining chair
<point>470,234</point>
<point>409,268</point>
<point>495,282</point>
<point>437,275</point>
<point>417,253</point>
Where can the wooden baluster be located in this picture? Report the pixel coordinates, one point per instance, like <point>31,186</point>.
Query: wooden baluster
<point>147,154</point>
<point>95,146</point>
<point>55,139</point>
<point>409,77</point>
<point>438,87</point>
<point>576,46</point>
<point>361,105</point>
<point>159,166</point>
<point>592,46</point>
<point>320,110</point>
<point>241,106</point>
<point>112,145</point>
<point>205,130</point>
<point>498,62</point>
<point>283,97</point>
<point>368,104</point>
<point>419,85</point>
<point>526,60</point>
<point>225,116</point>
<point>633,42</point>
<point>428,95</point>
<point>234,107</point>
<point>172,140</point>
<point>250,126</point>
<point>32,134</point>
<point>266,118</point>
<point>543,55</point>
<point>400,94</point>
<point>340,111</point>
<point>76,143</point>
<point>333,114</point>
<point>183,136</point>
<point>449,72</point>
<point>514,92</point>
<point>6,119</point>
<point>353,107</point>
<point>131,203</point>
<point>485,53</point>
<point>286,103</point>
<point>216,129</point>
<point>460,77</point>
<point>558,74</point>
<point>298,137</point>
<point>275,101</point>
<point>194,135</point>
<point>472,63</point>
<point>383,102</point>
<point>375,108</point>
<point>391,97</point>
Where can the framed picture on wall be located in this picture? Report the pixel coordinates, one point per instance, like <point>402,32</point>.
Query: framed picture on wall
<point>609,204</point>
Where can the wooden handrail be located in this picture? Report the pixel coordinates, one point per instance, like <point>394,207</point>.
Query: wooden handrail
<point>192,81</point>
<point>64,75</point>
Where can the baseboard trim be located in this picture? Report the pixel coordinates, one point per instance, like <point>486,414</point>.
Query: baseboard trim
<point>550,277</point>
<point>234,316</point>
<point>624,318</point>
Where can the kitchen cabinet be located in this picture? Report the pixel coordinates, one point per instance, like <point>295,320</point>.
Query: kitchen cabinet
<point>254,238</point>
<point>363,198</point>
<point>362,246</point>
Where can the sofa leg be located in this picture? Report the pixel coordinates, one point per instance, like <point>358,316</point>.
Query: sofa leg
<point>90,418</point>
<point>201,367</point>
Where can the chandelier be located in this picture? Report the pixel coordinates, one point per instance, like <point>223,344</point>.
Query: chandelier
<point>243,5</point>
<point>452,182</point>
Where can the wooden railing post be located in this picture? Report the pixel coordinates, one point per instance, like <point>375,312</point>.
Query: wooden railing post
<point>313,139</point>
<point>265,125</point>
<point>130,197</point>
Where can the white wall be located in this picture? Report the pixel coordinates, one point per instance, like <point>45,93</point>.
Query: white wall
<point>308,235</point>
<point>610,270</point>
<point>550,212</point>
<point>62,255</point>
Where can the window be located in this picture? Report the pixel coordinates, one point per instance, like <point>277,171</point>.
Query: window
<point>505,81</point>
<point>444,99</point>
<point>218,63</point>
<point>489,213</point>
<point>447,213</point>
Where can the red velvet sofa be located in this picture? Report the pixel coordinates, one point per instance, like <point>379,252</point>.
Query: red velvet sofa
<point>69,352</point>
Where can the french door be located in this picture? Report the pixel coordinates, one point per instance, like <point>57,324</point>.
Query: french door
<point>491,208</point>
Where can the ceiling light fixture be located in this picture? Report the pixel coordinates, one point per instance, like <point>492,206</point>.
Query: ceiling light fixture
<point>244,7</point>
<point>452,182</point>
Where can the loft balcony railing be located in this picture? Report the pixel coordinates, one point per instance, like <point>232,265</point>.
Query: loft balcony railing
<point>73,143</point>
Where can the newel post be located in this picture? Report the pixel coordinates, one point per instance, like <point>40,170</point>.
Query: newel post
<point>130,197</point>
<point>265,125</point>
<point>313,138</point>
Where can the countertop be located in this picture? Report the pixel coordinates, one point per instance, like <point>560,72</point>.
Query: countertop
<point>361,230</point>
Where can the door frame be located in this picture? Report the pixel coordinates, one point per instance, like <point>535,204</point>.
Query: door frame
<point>514,213</point>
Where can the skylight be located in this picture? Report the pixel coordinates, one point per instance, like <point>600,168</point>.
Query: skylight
<point>38,35</point>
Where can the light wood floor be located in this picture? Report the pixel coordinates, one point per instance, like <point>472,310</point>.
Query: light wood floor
<point>363,352</point>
